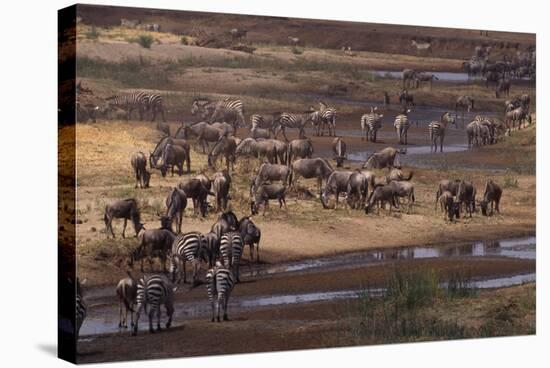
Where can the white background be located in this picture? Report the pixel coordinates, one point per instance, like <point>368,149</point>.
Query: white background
<point>28,167</point>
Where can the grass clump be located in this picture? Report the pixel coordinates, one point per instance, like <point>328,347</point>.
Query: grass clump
<point>510,182</point>
<point>145,41</point>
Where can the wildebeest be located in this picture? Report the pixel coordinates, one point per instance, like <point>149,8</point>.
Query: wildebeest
<point>503,87</point>
<point>492,195</point>
<point>176,202</point>
<point>281,150</point>
<point>299,148</point>
<point>406,98</point>
<point>261,148</point>
<point>226,145</point>
<point>379,196</point>
<point>126,291</point>
<point>227,221</point>
<point>397,175</point>
<point>173,156</point>
<point>139,164</point>
<point>159,149</point>
<point>466,195</point>
<point>358,187</point>
<point>449,205</point>
<point>213,245</point>
<point>382,159</point>
<point>339,150</point>
<point>337,183</point>
<point>153,242</point>
<point>265,192</point>
<point>126,209</point>
<point>447,185</point>
<point>425,77</point>
<point>251,235</point>
<point>408,78</point>
<point>272,172</point>
<point>221,183</point>
<point>403,189</point>
<point>518,115</point>
<point>196,190</point>
<point>203,131</point>
<point>309,168</point>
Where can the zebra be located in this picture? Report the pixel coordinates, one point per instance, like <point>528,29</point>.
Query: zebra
<point>436,129</point>
<point>401,125</point>
<point>229,109</point>
<point>231,250</point>
<point>464,102</point>
<point>129,102</point>
<point>219,284</point>
<point>81,306</point>
<point>327,115</point>
<point>155,103</point>
<point>126,291</point>
<point>370,123</point>
<point>153,291</point>
<point>295,121</point>
<point>188,247</point>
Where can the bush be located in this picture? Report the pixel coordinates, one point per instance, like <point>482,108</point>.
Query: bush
<point>510,182</point>
<point>296,51</point>
<point>145,41</point>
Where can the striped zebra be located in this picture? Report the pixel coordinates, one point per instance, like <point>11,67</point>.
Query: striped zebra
<point>436,130</point>
<point>219,284</point>
<point>293,121</point>
<point>129,102</point>
<point>188,247</point>
<point>401,125</point>
<point>231,250</point>
<point>152,292</point>
<point>327,116</point>
<point>155,104</point>
<point>370,123</point>
<point>81,307</point>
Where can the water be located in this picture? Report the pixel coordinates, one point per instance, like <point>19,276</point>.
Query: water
<point>442,76</point>
<point>361,156</point>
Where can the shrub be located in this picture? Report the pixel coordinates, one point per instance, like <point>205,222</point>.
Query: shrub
<point>296,51</point>
<point>145,41</point>
<point>510,182</point>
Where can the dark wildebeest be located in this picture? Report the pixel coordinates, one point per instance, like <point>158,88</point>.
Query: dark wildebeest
<point>154,242</point>
<point>379,196</point>
<point>139,164</point>
<point>226,222</point>
<point>408,78</point>
<point>492,195</point>
<point>225,146</point>
<point>425,77</point>
<point>466,195</point>
<point>309,168</point>
<point>159,149</point>
<point>447,185</point>
<point>339,150</point>
<point>281,150</point>
<point>406,99</point>
<point>492,77</point>
<point>358,187</point>
<point>176,202</point>
<point>126,290</point>
<point>203,131</point>
<point>397,175</point>
<point>337,183</point>
<point>257,148</point>
<point>173,156</point>
<point>503,87</point>
<point>264,193</point>
<point>382,159</point>
<point>251,235</point>
<point>221,183</point>
<point>213,246</point>
<point>449,205</point>
<point>299,148</point>
<point>196,190</point>
<point>126,209</point>
<point>403,189</point>
<point>270,173</point>
<point>227,129</point>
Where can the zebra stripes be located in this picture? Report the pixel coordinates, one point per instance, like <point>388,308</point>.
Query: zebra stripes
<point>293,121</point>
<point>154,291</point>
<point>436,130</point>
<point>219,284</point>
<point>140,101</point>
<point>231,250</point>
<point>370,123</point>
<point>327,116</point>
<point>188,247</point>
<point>155,104</point>
<point>401,125</point>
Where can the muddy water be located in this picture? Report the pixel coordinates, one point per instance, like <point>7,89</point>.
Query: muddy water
<point>442,76</point>
<point>103,319</point>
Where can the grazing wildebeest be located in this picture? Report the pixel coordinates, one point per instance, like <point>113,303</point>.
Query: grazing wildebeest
<point>449,205</point>
<point>309,168</point>
<point>382,159</point>
<point>408,78</point>
<point>264,193</point>
<point>358,187</point>
<point>257,148</point>
<point>226,222</point>
<point>153,242</point>
<point>339,150</point>
<point>226,145</point>
<point>159,149</point>
<point>299,148</point>
<point>406,99</point>
<point>379,196</point>
<point>272,172</point>
<point>139,164</point>
<point>492,195</point>
<point>176,202</point>
<point>195,189</point>
<point>173,156</point>
<point>221,183</point>
<point>251,235</point>
<point>163,127</point>
<point>425,77</point>
<point>203,131</point>
<point>466,195</point>
<point>396,174</point>
<point>337,183</point>
<point>503,87</point>
<point>126,209</point>
<point>403,189</point>
<point>436,130</point>
<point>126,290</point>
<point>237,33</point>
